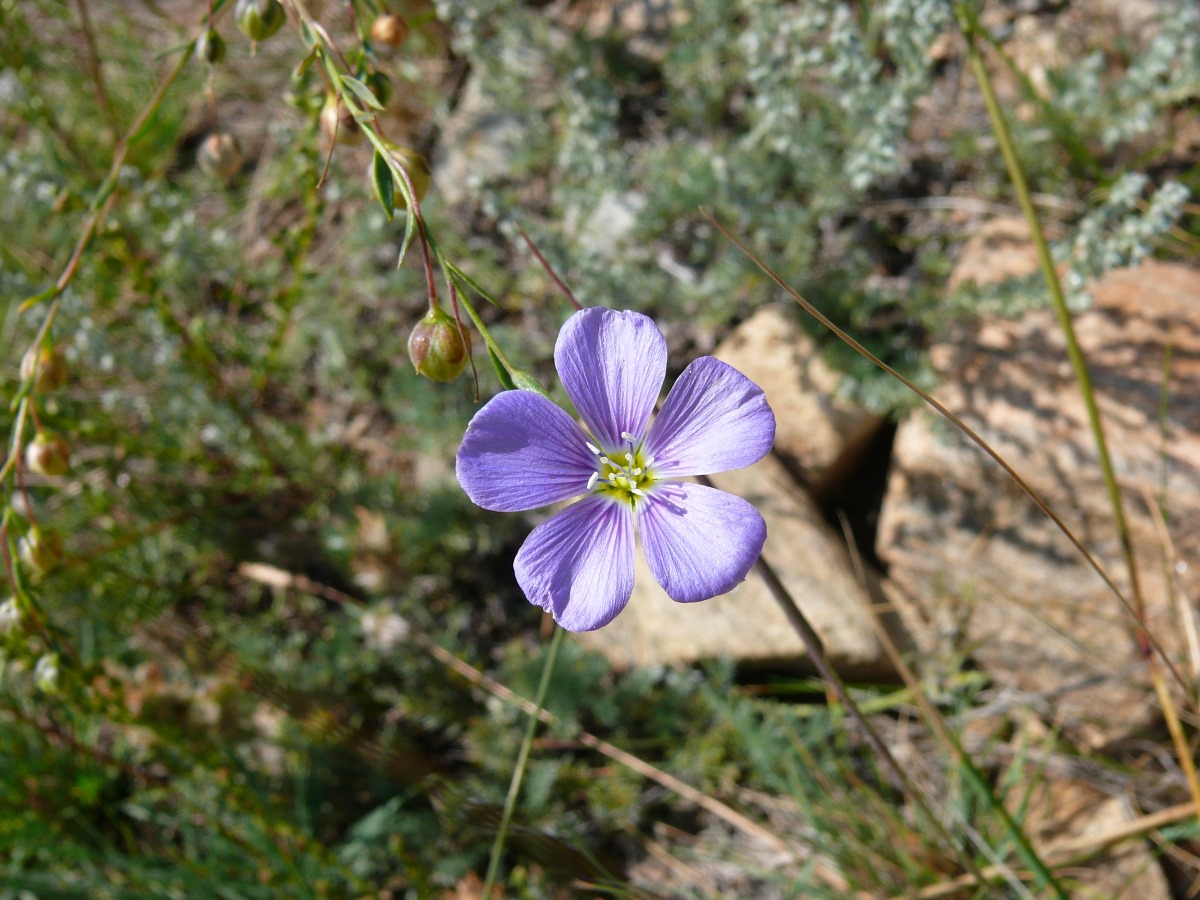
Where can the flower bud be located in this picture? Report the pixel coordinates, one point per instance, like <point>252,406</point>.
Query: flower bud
<point>338,124</point>
<point>259,19</point>
<point>47,366</point>
<point>41,549</point>
<point>48,454</point>
<point>418,171</point>
<point>210,47</point>
<point>389,30</point>
<point>438,348</point>
<point>220,156</point>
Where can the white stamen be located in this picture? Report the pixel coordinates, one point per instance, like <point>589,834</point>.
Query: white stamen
<point>629,458</point>
<point>606,460</point>
<point>592,481</point>
<point>638,492</point>
<point>627,436</point>
<point>593,447</point>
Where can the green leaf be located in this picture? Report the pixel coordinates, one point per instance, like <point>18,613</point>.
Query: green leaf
<point>304,64</point>
<point>361,91</point>
<point>501,373</point>
<point>33,301</point>
<point>381,180</point>
<point>410,228</point>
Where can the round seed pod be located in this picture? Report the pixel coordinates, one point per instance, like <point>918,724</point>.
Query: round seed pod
<point>47,366</point>
<point>439,350</point>
<point>41,549</point>
<point>337,124</point>
<point>389,30</point>
<point>220,156</point>
<point>48,454</point>
<point>259,19</point>
<point>210,47</point>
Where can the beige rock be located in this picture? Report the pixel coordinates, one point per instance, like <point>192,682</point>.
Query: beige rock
<point>814,429</point>
<point>976,555</point>
<point>999,250</point>
<point>747,623</point>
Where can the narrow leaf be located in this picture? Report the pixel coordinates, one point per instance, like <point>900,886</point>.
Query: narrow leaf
<point>361,91</point>
<point>381,180</point>
<point>33,301</point>
<point>501,373</point>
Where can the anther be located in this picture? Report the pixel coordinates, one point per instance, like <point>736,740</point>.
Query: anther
<point>593,447</point>
<point>592,481</point>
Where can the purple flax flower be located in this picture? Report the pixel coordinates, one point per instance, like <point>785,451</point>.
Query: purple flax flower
<point>521,452</point>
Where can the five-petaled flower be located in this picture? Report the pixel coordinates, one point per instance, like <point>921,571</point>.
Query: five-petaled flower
<point>521,452</point>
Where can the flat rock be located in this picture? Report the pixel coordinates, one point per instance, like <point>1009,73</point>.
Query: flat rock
<point>747,624</point>
<point>976,556</point>
<point>815,429</point>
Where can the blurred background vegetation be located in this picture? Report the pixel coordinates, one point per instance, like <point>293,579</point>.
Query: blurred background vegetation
<point>224,670</point>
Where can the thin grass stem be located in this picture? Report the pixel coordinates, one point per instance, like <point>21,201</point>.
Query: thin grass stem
<point>1083,378</point>
<point>514,786</point>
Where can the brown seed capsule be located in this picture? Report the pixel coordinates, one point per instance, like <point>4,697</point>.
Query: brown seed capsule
<point>338,124</point>
<point>48,454</point>
<point>41,549</point>
<point>47,366</point>
<point>220,156</point>
<point>389,30</point>
<point>438,348</point>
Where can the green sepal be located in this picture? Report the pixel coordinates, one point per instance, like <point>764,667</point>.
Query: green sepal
<point>505,379</point>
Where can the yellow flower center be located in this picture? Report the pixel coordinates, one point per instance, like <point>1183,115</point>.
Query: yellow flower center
<point>624,474</point>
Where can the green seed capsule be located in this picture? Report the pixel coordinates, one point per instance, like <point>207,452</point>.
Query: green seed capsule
<point>259,19</point>
<point>210,47</point>
<point>47,366</point>
<point>41,549</point>
<point>438,348</point>
<point>48,454</point>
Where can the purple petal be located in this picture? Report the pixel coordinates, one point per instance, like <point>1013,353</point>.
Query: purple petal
<point>713,420</point>
<point>578,564</point>
<point>612,365</point>
<point>521,452</point>
<point>699,542</point>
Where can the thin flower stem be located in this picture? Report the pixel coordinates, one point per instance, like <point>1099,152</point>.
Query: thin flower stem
<point>514,786</point>
<point>1083,378</point>
<point>562,285</point>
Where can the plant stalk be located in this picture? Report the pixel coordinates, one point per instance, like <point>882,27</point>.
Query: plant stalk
<point>514,786</point>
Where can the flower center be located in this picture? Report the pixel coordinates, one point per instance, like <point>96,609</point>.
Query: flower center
<point>625,473</point>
